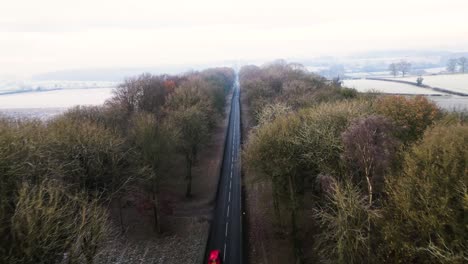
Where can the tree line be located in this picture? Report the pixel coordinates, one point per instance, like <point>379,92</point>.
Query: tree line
<point>357,178</point>
<point>402,67</point>
<point>456,65</point>
<point>59,178</point>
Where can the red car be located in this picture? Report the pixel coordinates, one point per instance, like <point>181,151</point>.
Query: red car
<point>214,257</point>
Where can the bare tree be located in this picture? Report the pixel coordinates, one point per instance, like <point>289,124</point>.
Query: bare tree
<point>369,148</point>
<point>452,65</point>
<point>462,62</point>
<point>404,67</point>
<point>393,68</point>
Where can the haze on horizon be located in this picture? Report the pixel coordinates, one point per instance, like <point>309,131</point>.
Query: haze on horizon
<point>53,35</point>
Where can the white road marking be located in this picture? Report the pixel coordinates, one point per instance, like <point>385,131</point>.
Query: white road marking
<point>224,252</point>
<point>230,185</point>
<point>227,225</point>
<point>228,211</point>
<point>229,198</point>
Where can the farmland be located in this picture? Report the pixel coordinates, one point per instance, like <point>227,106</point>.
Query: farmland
<point>455,83</point>
<point>364,85</point>
<point>452,82</point>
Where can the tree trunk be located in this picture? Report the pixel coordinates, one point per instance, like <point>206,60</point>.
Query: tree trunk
<point>369,189</point>
<point>276,203</point>
<point>157,226</point>
<point>296,242</point>
<point>369,186</point>
<point>188,192</point>
<point>119,204</point>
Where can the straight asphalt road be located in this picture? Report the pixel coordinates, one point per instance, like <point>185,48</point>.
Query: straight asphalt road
<point>226,227</point>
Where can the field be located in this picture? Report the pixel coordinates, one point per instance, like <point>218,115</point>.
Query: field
<point>445,101</point>
<point>46,104</point>
<point>453,82</point>
<point>363,85</point>
<point>14,86</point>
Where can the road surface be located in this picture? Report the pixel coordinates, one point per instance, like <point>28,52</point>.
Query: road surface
<point>226,228</point>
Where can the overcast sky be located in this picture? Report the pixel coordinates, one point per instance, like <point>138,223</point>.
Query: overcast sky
<point>50,35</point>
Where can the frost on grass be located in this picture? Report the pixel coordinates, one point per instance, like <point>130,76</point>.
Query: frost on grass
<point>180,248</point>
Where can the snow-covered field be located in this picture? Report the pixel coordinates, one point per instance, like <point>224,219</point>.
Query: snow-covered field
<point>13,86</point>
<point>453,82</point>
<point>363,85</point>
<point>45,104</point>
<point>54,99</point>
<point>387,74</point>
<point>382,74</point>
<point>449,102</point>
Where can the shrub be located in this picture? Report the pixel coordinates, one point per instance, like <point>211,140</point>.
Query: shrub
<point>425,216</point>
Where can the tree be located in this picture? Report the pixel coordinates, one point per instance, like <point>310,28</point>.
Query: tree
<point>411,116</point>
<point>343,221</point>
<point>452,65</point>
<point>462,62</point>
<point>271,153</point>
<point>337,82</point>
<point>369,149</point>
<point>404,67</point>
<point>191,114</point>
<point>192,131</point>
<point>145,92</point>
<point>426,205</point>
<point>154,143</point>
<point>419,80</point>
<point>393,68</point>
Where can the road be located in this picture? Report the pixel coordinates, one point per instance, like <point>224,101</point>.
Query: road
<point>226,227</point>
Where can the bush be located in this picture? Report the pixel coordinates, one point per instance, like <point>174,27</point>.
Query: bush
<point>425,216</point>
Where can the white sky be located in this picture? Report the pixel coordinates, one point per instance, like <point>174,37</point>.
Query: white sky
<point>47,35</point>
